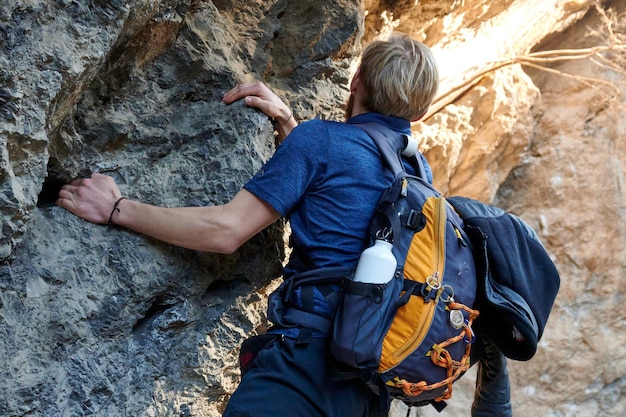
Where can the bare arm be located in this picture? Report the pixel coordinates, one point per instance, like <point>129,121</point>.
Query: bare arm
<point>257,94</point>
<point>219,229</point>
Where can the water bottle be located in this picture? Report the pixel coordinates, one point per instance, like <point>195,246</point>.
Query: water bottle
<point>377,265</point>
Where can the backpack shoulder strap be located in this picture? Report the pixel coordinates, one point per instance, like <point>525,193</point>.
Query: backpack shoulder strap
<point>391,144</point>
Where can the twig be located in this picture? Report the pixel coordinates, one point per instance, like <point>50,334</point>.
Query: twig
<point>540,60</point>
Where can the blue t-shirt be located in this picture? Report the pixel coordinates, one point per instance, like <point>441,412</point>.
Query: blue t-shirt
<point>327,177</point>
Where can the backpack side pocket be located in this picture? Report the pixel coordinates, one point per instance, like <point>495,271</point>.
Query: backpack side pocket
<point>362,320</point>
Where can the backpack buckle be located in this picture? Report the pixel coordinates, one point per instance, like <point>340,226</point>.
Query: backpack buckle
<point>415,220</point>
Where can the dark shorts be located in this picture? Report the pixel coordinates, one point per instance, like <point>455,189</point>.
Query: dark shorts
<point>299,381</point>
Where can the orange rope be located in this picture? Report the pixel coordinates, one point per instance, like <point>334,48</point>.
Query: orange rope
<point>441,357</point>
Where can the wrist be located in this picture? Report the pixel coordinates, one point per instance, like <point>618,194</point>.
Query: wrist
<point>283,119</point>
<point>285,126</point>
<point>286,119</point>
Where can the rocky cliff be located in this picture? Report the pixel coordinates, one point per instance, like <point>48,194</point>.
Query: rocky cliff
<point>101,321</point>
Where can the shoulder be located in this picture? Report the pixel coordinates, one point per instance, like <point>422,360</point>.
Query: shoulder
<point>317,133</point>
<point>325,141</point>
<point>316,127</point>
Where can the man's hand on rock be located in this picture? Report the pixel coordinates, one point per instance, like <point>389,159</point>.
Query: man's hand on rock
<point>92,199</point>
<point>258,95</point>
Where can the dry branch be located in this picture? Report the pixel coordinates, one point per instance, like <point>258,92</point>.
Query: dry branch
<point>540,60</point>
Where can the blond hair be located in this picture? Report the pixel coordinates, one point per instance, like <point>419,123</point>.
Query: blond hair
<point>400,76</point>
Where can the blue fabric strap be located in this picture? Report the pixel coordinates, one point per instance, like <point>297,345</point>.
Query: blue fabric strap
<point>391,144</point>
<point>308,320</point>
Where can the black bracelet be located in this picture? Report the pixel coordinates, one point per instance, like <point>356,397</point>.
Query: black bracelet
<point>117,203</point>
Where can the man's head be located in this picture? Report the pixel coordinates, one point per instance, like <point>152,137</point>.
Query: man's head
<point>398,77</point>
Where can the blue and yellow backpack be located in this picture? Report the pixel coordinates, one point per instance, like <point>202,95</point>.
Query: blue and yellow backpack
<point>411,336</point>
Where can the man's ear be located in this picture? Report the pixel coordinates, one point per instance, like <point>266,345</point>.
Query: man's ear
<point>356,81</point>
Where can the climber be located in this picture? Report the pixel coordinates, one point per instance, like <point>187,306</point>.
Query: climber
<point>312,179</point>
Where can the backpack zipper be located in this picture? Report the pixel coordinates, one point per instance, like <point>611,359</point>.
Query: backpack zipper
<point>440,228</point>
<point>435,281</point>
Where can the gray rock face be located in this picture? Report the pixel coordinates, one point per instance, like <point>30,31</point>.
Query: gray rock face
<point>97,320</point>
